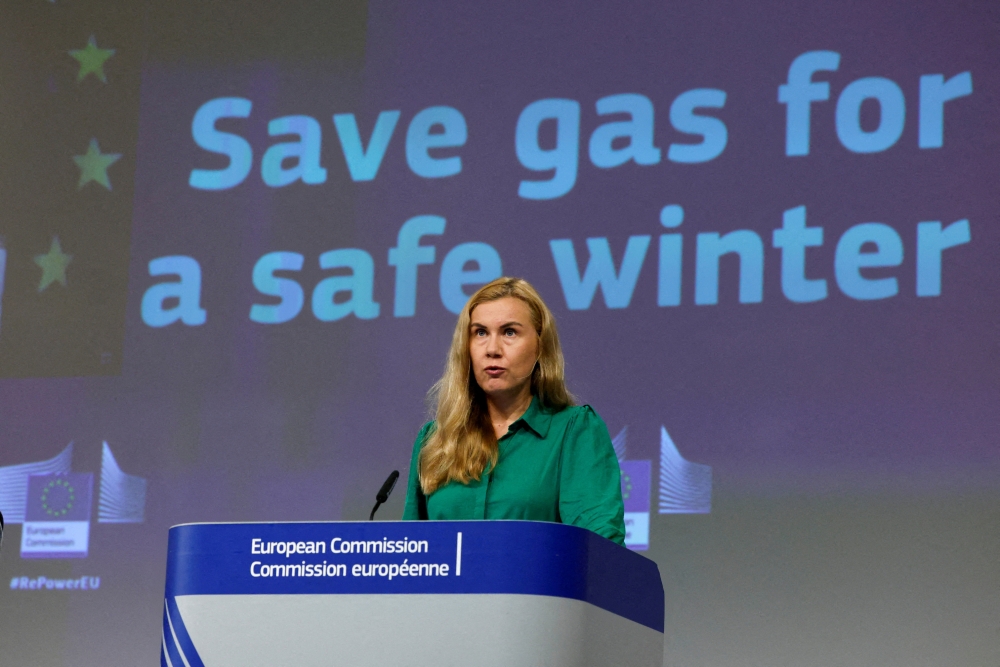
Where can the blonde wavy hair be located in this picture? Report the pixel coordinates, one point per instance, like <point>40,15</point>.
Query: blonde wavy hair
<point>463,443</point>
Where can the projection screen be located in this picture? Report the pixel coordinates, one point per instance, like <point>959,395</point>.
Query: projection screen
<point>235,237</point>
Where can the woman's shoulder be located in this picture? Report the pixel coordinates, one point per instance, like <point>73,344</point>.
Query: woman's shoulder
<point>574,410</point>
<point>424,433</point>
<point>583,431</point>
<point>421,440</point>
<point>578,415</point>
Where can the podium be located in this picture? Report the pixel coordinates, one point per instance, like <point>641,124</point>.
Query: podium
<point>420,593</point>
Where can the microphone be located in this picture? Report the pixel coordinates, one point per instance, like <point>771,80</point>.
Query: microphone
<point>1,528</point>
<point>383,493</point>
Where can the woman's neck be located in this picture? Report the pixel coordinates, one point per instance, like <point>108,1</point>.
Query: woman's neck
<point>505,411</point>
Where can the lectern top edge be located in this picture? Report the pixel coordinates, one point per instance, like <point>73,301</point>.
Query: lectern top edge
<point>414,557</point>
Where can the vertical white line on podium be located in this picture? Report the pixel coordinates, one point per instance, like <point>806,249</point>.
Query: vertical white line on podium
<point>458,557</point>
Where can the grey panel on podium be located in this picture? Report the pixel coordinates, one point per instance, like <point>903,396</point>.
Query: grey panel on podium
<point>485,593</point>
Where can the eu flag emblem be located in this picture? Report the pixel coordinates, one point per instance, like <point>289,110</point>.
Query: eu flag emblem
<point>57,516</point>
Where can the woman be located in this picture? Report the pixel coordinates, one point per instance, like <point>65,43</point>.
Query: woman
<point>507,441</point>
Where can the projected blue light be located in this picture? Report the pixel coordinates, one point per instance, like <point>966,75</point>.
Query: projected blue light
<point>363,163</point>
<point>359,284</point>
<point>184,294</point>
<point>454,275</point>
<point>800,92</point>
<point>168,302</point>
<point>122,496</point>
<point>420,139</point>
<point>892,116</point>
<point>850,260</point>
<point>616,286</point>
<point>638,130</point>
<point>14,482</point>
<point>305,152</point>
<point>235,147</point>
<point>685,487</point>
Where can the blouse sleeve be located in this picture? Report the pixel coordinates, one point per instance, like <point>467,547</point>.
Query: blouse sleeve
<point>590,493</point>
<point>416,502</point>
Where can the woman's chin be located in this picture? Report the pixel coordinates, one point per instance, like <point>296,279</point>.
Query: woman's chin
<point>501,389</point>
<point>495,388</point>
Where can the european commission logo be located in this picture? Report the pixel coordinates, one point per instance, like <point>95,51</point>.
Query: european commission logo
<point>57,517</point>
<point>685,487</point>
<point>55,504</point>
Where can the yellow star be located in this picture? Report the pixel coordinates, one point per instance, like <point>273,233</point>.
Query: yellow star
<point>53,265</point>
<point>91,60</point>
<point>94,165</point>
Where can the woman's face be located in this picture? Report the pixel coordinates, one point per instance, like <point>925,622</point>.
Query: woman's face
<point>503,346</point>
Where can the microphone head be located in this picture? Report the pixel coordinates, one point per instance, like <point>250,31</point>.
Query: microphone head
<point>390,483</point>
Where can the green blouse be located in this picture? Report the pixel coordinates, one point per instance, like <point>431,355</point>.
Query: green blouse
<point>555,466</point>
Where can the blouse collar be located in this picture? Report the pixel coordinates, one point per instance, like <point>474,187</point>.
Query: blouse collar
<point>536,417</point>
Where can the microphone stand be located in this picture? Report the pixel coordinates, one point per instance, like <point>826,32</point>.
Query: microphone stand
<point>383,493</point>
